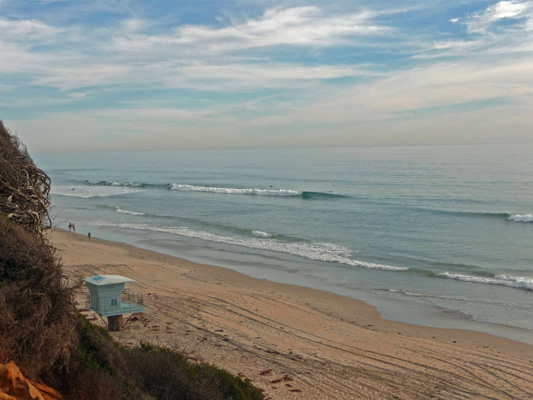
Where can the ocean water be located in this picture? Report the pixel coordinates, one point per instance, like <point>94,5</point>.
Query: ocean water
<point>433,235</point>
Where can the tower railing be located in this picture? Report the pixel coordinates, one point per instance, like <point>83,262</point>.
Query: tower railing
<point>130,302</point>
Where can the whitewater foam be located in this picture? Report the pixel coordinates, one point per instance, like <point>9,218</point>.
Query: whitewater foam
<point>521,218</point>
<point>317,251</point>
<point>222,190</point>
<point>119,210</point>
<point>87,192</point>
<point>518,282</point>
<point>261,234</point>
<point>115,183</point>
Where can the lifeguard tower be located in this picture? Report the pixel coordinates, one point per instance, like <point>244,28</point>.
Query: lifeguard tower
<point>109,299</point>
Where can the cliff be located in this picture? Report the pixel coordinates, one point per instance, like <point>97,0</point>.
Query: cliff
<point>41,331</point>
<point>14,386</point>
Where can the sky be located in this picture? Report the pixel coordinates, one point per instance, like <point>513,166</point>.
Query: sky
<point>78,75</point>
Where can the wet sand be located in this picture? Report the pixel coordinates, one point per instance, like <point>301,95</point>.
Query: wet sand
<point>294,342</point>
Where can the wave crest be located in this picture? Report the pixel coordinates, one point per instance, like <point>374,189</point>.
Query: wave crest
<point>222,190</point>
<point>518,282</point>
<point>317,251</point>
<point>305,195</point>
<point>261,234</point>
<point>119,210</point>
<point>87,192</point>
<point>521,218</point>
<point>255,192</point>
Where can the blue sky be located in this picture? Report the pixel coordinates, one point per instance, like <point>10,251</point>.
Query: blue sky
<point>131,74</point>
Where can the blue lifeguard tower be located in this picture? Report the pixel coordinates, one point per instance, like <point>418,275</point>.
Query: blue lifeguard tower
<point>109,299</point>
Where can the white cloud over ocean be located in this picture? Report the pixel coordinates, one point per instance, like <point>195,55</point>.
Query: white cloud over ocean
<point>232,74</point>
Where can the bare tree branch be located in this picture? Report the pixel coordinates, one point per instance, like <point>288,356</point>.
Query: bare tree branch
<point>24,188</point>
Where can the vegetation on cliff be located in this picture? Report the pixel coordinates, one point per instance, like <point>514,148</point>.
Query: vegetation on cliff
<point>42,332</point>
<point>37,318</point>
<point>24,188</point>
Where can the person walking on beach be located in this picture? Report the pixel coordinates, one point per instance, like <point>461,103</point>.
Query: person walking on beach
<point>69,226</point>
<point>73,227</point>
<point>89,236</point>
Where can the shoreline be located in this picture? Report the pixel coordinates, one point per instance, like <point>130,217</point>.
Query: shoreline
<point>292,341</point>
<point>276,269</point>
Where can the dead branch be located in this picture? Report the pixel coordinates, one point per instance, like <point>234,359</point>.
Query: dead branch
<point>24,188</point>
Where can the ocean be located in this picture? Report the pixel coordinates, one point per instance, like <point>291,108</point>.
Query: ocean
<point>433,235</point>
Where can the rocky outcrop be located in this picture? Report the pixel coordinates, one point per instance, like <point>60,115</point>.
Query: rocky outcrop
<point>14,386</point>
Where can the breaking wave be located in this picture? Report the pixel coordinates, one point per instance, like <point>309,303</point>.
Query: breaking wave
<point>501,216</point>
<point>87,192</point>
<point>261,234</point>
<point>222,190</point>
<point>518,282</point>
<point>317,251</point>
<point>306,195</point>
<point>119,210</point>
<point>521,218</point>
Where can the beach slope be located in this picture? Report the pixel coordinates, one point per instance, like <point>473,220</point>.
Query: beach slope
<point>295,342</point>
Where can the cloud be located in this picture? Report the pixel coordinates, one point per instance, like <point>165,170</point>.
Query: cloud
<point>226,77</point>
<point>504,9</point>
<point>446,102</point>
<point>272,75</point>
<point>18,60</point>
<point>442,87</point>
<point>482,21</point>
<point>68,78</point>
<point>502,28</point>
<point>125,129</point>
<point>77,95</point>
<point>249,73</point>
<point>21,30</point>
<point>457,46</point>
<point>299,26</point>
<point>134,25</point>
<point>185,57</point>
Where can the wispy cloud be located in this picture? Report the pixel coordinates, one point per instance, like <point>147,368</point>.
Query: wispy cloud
<point>406,91</point>
<point>68,78</point>
<point>185,57</point>
<point>23,30</point>
<point>481,22</point>
<point>128,66</point>
<point>300,26</point>
<point>502,28</point>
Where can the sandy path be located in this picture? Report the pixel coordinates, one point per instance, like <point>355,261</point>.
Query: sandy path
<point>298,343</point>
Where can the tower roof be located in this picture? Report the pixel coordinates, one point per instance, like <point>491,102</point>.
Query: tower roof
<point>101,280</point>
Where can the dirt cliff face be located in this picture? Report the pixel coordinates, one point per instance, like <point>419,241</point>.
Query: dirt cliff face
<point>14,386</point>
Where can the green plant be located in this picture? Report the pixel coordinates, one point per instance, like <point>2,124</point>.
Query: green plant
<point>167,375</point>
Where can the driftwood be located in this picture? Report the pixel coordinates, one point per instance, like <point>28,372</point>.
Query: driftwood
<point>24,188</point>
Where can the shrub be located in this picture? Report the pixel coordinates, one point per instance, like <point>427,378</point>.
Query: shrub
<point>100,369</point>
<point>24,188</point>
<point>36,312</point>
<point>97,368</point>
<point>168,375</point>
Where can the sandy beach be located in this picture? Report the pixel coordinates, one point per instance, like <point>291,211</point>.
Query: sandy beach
<point>295,342</point>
